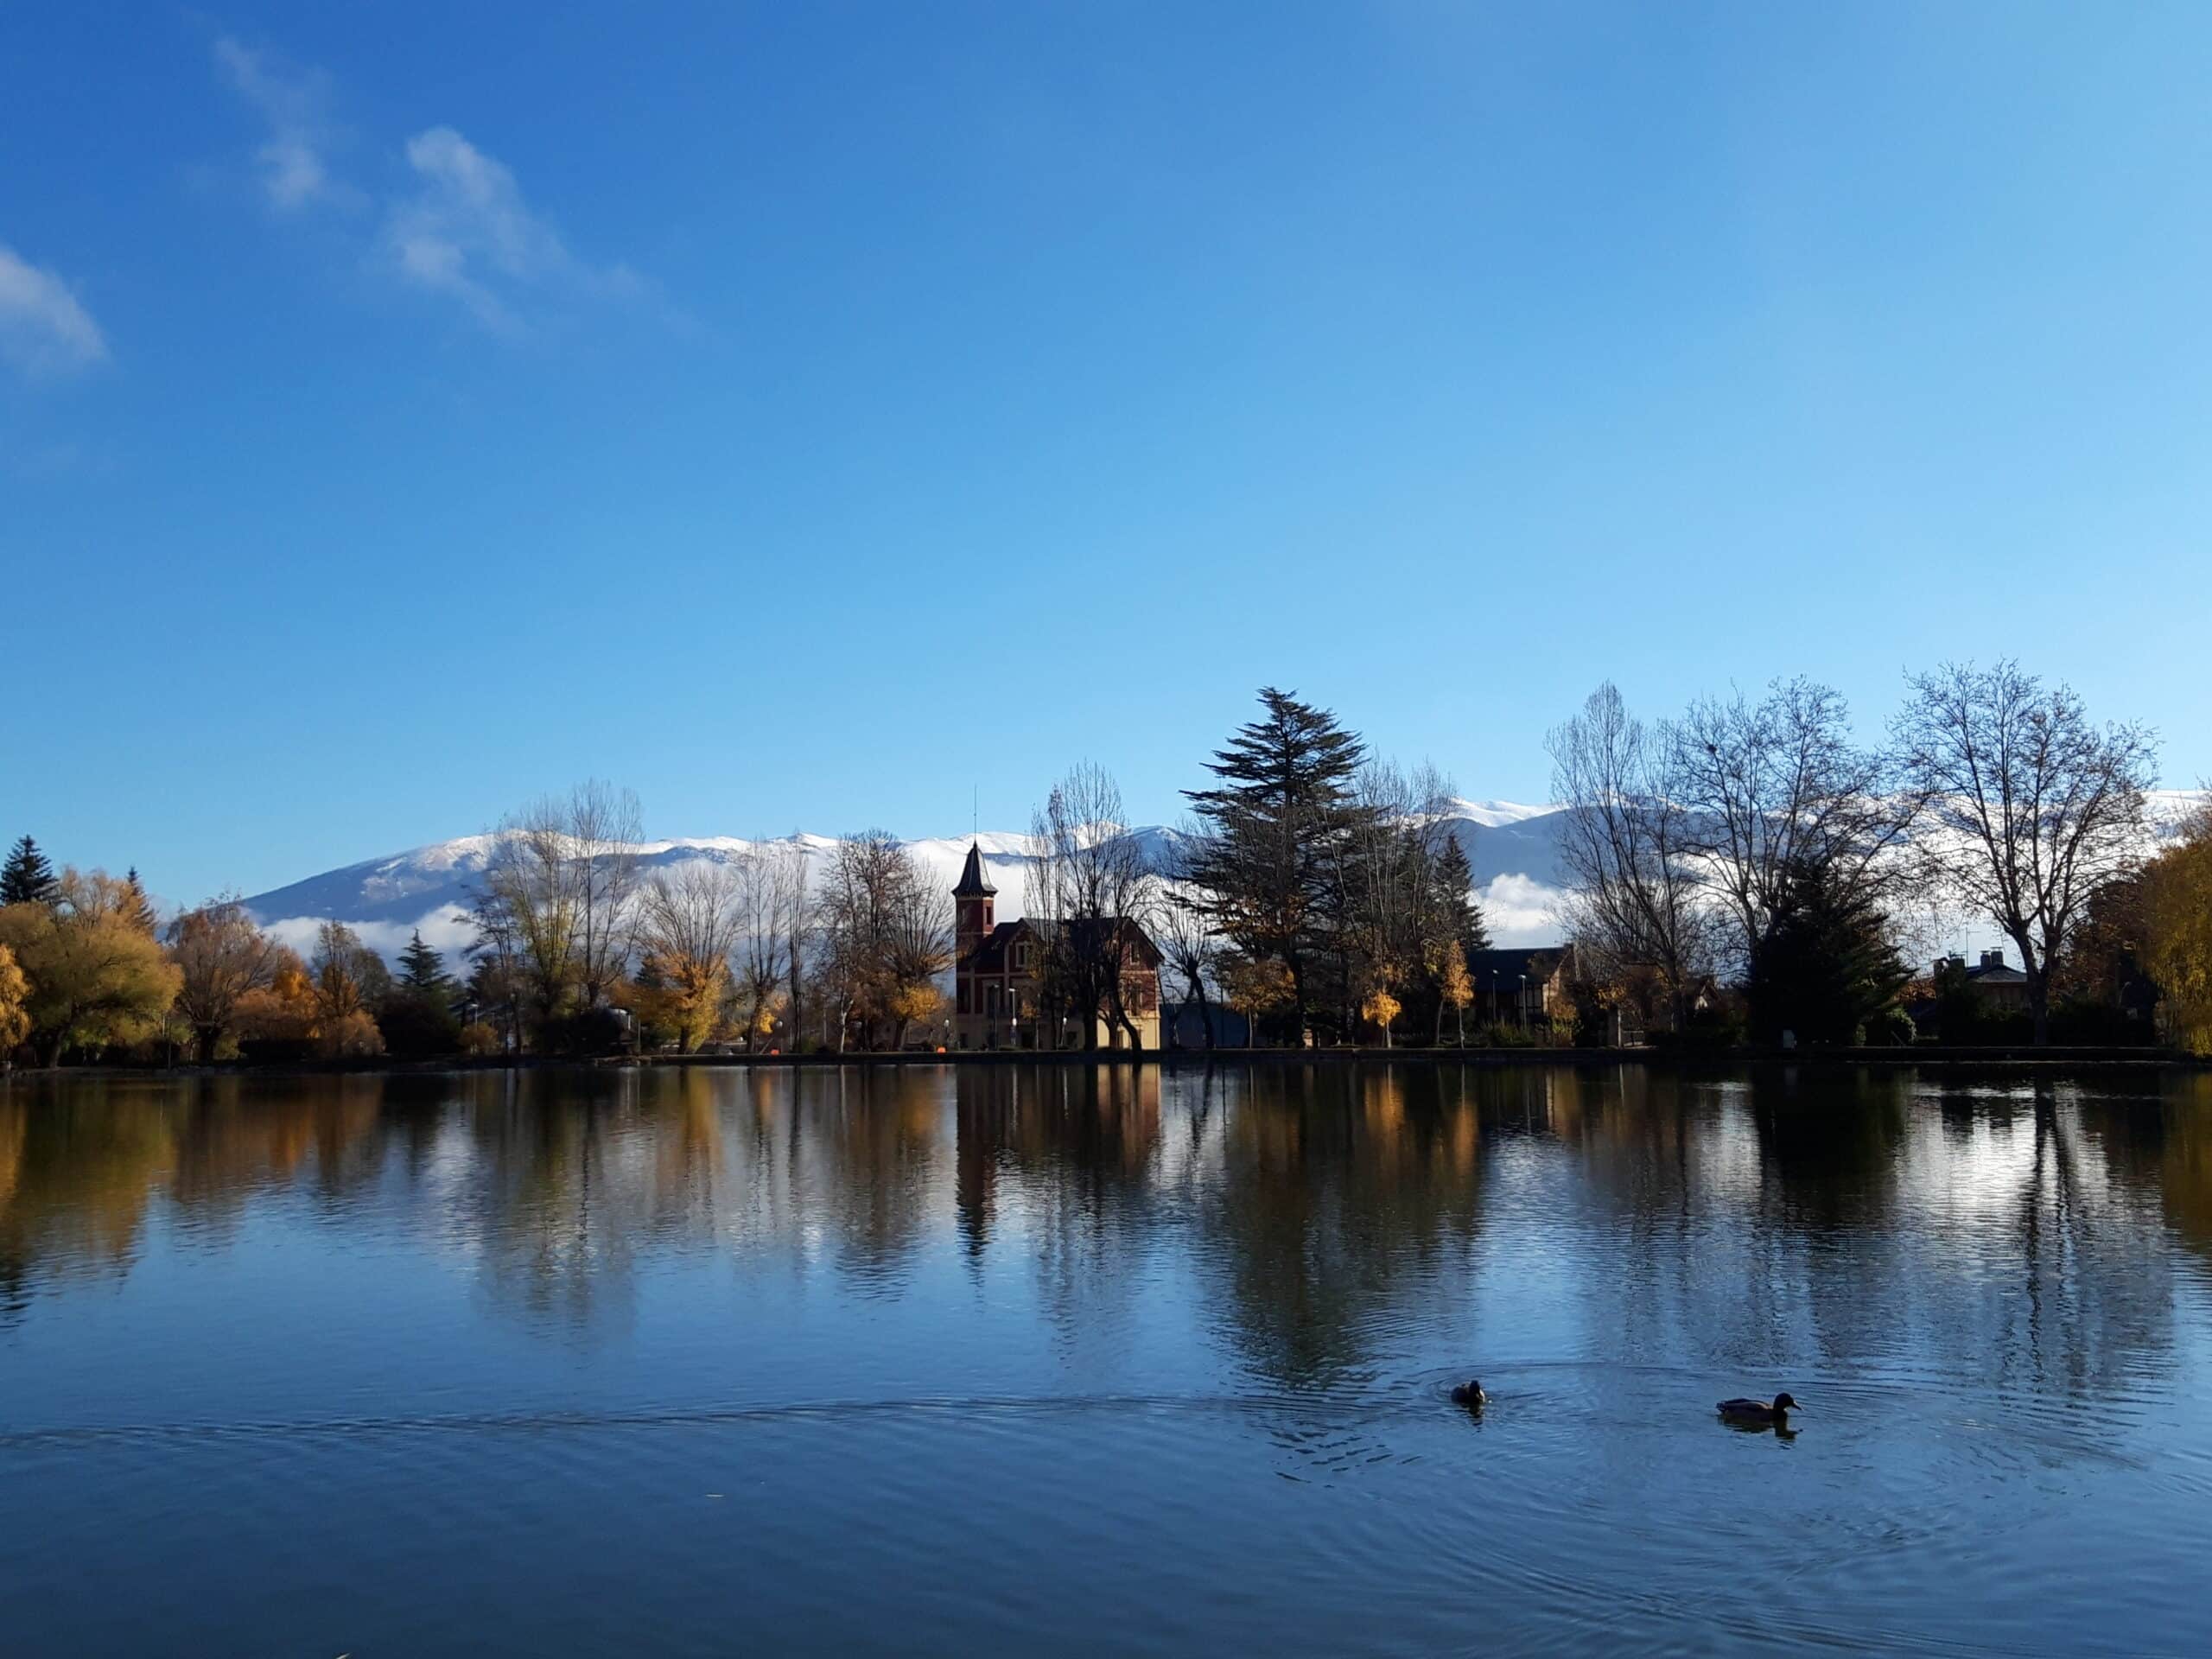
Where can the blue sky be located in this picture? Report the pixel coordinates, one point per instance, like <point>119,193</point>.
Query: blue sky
<point>805,414</point>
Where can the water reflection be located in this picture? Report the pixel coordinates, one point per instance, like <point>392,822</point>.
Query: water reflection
<point>1860,1220</point>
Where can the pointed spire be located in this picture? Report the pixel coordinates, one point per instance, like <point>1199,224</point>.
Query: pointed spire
<point>973,882</point>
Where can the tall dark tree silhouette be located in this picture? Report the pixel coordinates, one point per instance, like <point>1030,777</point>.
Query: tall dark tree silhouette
<point>27,877</point>
<point>423,970</point>
<point>1281,823</point>
<point>1823,967</point>
<point>1456,876</point>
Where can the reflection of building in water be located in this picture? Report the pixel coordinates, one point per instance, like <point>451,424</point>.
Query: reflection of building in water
<point>1055,1140</point>
<point>1310,1217</point>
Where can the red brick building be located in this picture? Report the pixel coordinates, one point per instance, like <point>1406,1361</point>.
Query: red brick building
<point>997,988</point>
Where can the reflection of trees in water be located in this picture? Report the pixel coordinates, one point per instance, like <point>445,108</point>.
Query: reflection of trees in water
<point>1062,1160</point>
<point>2185,1163</point>
<point>1863,1218</point>
<point>2095,1290</point>
<point>2159,1131</point>
<point>76,1177</point>
<point>1338,1190</point>
<point>1860,1217</point>
<point>869,1139</point>
<point>237,1138</point>
<point>551,1194</point>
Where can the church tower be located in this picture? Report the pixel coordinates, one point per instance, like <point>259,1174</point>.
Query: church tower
<point>973,917</point>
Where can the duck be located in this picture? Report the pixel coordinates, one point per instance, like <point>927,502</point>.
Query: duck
<point>1776,1411</point>
<point>1470,1395</point>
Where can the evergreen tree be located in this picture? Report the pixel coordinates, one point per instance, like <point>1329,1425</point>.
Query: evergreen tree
<point>1283,824</point>
<point>1824,969</point>
<point>1456,877</point>
<point>27,877</point>
<point>423,970</point>
<point>417,1012</point>
<point>135,908</point>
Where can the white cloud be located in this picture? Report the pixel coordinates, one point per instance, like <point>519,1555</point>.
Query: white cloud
<point>458,227</point>
<point>293,173</point>
<point>468,233</point>
<point>43,329</point>
<point>1522,911</point>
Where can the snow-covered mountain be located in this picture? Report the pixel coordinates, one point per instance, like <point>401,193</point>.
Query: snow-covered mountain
<point>1514,849</point>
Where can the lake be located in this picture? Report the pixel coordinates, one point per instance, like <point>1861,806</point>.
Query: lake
<point>1114,1360</point>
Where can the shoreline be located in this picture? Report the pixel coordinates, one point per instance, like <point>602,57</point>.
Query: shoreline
<point>2003,1058</point>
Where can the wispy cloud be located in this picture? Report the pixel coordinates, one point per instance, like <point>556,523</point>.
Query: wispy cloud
<point>43,329</point>
<point>455,223</point>
<point>466,231</point>
<point>294,102</point>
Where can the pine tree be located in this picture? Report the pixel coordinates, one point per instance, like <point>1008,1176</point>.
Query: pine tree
<point>27,877</point>
<point>1456,876</point>
<point>1824,969</point>
<point>423,970</point>
<point>135,908</point>
<point>1283,822</point>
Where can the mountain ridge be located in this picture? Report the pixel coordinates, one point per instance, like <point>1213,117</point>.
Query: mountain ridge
<point>1511,846</point>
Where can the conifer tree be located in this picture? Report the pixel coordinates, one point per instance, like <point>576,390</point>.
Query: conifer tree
<point>27,877</point>
<point>1282,819</point>
<point>134,908</point>
<point>422,969</point>
<point>1825,969</point>
<point>1456,876</point>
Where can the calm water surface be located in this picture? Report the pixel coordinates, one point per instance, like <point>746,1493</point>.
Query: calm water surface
<point>1114,1361</point>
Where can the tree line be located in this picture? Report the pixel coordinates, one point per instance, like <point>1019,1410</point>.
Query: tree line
<point>1752,844</point>
<point>1747,867</point>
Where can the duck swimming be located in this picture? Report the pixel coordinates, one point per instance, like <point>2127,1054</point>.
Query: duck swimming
<point>1776,1411</point>
<point>1470,1395</point>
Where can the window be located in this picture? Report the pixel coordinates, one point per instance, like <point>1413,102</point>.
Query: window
<point>1021,958</point>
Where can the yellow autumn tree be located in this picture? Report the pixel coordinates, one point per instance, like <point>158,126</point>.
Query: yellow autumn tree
<point>15,991</point>
<point>917,1003</point>
<point>1256,986</point>
<point>688,927</point>
<point>1455,989</point>
<point>1380,1009</point>
<point>94,979</point>
<point>283,1011</point>
<point>2177,929</point>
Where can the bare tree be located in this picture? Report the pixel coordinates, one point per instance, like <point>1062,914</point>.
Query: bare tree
<point>690,921</point>
<point>771,899</point>
<point>798,924</point>
<point>604,827</point>
<point>222,956</point>
<point>1091,892</point>
<point>558,895</point>
<point>1185,939</point>
<point>1627,844</point>
<point>2031,807</point>
<point>885,935</point>
<point>528,906</point>
<point>1777,787</point>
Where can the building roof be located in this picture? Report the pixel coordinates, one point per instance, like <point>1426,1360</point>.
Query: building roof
<point>973,884</point>
<point>1089,933</point>
<point>1541,962</point>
